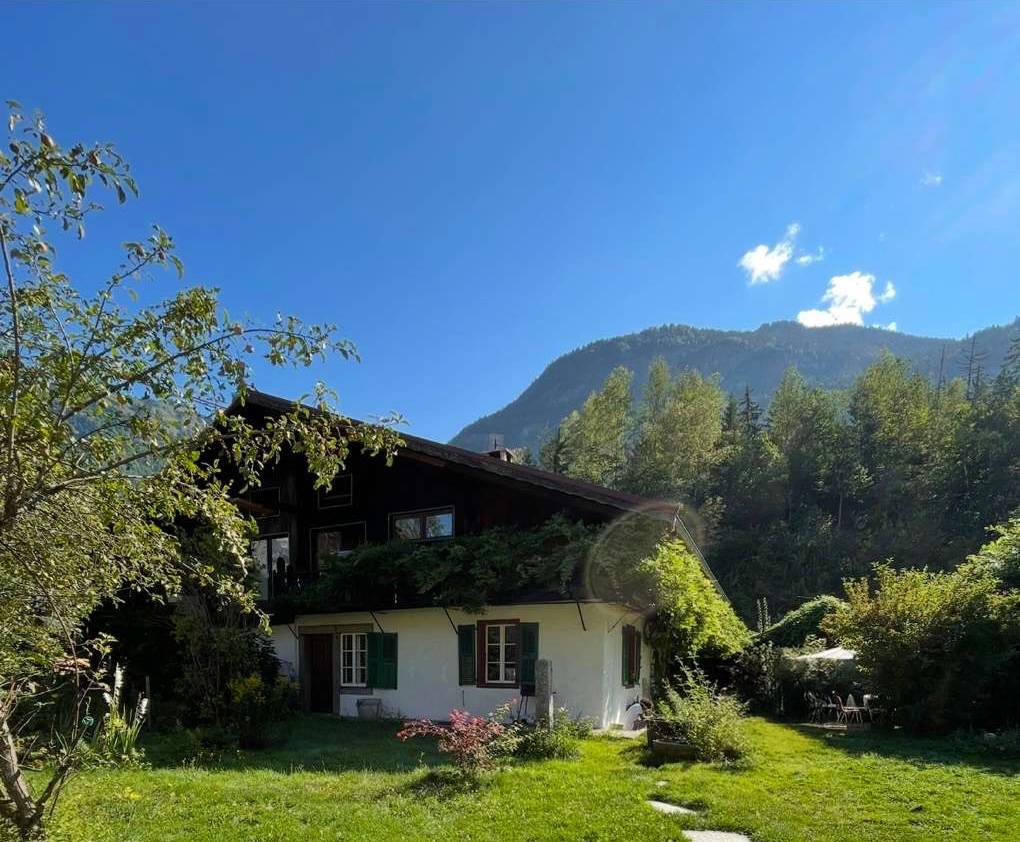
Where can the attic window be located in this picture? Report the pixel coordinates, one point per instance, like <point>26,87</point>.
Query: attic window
<point>425,525</point>
<point>265,501</point>
<point>340,494</point>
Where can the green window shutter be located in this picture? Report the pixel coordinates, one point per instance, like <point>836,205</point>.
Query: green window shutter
<point>466,655</point>
<point>637,656</point>
<point>382,660</point>
<point>628,656</point>
<point>529,654</point>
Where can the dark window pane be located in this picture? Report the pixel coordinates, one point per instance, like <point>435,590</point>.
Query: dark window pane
<point>407,528</point>
<point>439,525</point>
<point>492,672</point>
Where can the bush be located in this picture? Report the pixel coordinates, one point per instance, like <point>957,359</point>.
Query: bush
<point>257,705</point>
<point>803,622</point>
<point>474,742</point>
<point>714,724</point>
<point>562,741</point>
<point>941,648</point>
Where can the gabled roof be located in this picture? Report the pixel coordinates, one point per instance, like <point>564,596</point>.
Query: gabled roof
<point>484,463</point>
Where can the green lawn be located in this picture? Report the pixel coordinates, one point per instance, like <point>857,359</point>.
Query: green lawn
<point>348,780</point>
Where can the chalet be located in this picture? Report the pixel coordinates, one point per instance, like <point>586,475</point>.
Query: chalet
<point>420,659</point>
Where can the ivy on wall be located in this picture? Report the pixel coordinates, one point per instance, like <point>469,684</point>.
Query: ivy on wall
<point>636,562</point>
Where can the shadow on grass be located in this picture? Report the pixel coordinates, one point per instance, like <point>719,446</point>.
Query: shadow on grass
<point>307,743</point>
<point>917,750</point>
<point>441,783</point>
<point>640,753</point>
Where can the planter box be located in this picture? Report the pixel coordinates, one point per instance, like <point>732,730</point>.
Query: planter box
<point>672,749</point>
<point>369,708</point>
<point>662,746</point>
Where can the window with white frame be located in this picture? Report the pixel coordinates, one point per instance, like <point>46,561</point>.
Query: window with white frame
<point>501,653</point>
<point>353,659</point>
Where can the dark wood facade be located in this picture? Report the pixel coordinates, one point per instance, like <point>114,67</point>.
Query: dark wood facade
<point>477,491</point>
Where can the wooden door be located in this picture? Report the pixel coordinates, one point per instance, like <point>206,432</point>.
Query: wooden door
<point>319,652</point>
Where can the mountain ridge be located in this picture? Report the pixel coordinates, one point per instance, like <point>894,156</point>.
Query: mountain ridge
<point>827,356</point>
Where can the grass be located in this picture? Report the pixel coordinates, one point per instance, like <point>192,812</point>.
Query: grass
<point>341,780</point>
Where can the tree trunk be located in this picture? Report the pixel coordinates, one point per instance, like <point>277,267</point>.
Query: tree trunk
<point>16,802</point>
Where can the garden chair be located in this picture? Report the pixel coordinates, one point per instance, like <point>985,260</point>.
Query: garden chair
<point>846,713</point>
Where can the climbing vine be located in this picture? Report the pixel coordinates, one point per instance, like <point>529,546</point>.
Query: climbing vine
<point>636,562</point>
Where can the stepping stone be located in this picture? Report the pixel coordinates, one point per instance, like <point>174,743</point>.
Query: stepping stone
<point>670,809</point>
<point>714,836</point>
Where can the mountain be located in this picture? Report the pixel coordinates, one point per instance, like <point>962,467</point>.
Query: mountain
<point>830,356</point>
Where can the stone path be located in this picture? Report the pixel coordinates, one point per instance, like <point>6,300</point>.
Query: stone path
<point>696,835</point>
<point>671,809</point>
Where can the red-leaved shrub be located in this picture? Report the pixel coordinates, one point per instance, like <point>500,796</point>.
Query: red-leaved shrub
<point>472,741</point>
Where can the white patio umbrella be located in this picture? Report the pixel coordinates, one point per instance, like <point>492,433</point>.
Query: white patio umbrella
<point>837,653</point>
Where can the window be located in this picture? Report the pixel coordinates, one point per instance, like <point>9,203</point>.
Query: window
<point>336,540</point>
<point>353,659</point>
<point>341,493</point>
<point>265,501</point>
<point>501,653</point>
<point>271,555</point>
<point>426,525</point>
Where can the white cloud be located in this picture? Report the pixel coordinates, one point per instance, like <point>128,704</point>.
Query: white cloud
<point>891,326</point>
<point>931,179</point>
<point>808,259</point>
<point>849,297</point>
<point>764,264</point>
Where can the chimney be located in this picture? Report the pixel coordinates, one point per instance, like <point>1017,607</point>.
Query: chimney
<point>496,449</point>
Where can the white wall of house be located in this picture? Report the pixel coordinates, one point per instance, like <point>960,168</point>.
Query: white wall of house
<point>586,659</point>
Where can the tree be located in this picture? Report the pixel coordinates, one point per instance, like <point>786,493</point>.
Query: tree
<point>677,438</point>
<point>597,440</point>
<point>92,479</point>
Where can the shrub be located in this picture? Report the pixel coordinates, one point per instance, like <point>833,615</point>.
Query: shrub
<point>562,741</point>
<point>940,647</point>
<point>712,723</point>
<point>474,742</point>
<point>803,622</point>
<point>257,705</point>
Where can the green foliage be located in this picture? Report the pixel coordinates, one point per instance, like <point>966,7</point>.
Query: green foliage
<point>115,741</point>
<point>590,444</point>
<point>942,648</point>
<point>697,713</point>
<point>692,613</point>
<point>788,502</point>
<point>1001,557</point>
<point>679,424</point>
<point>256,705</point>
<point>92,478</point>
<point>630,562</point>
<point>803,622</point>
<point>561,742</point>
<point>468,571</point>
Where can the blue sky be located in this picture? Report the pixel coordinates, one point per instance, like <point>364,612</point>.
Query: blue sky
<point>470,190</point>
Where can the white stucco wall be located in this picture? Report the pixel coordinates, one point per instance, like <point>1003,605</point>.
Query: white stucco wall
<point>586,663</point>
